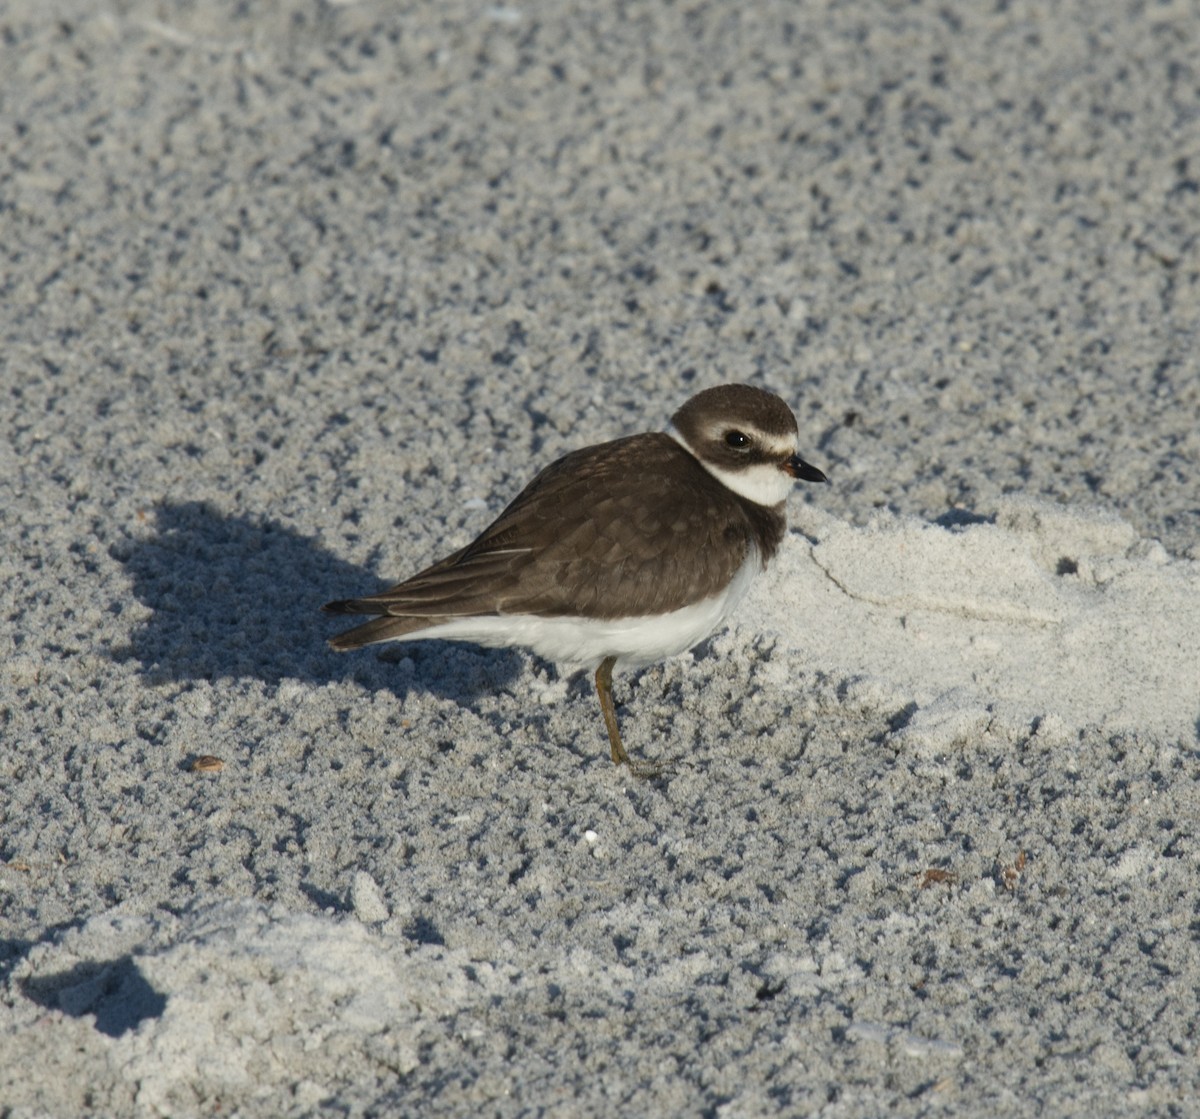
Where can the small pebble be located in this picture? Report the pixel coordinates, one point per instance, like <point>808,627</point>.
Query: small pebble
<point>207,763</point>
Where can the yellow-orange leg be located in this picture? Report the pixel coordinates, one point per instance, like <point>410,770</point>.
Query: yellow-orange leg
<point>641,770</point>
<point>604,691</point>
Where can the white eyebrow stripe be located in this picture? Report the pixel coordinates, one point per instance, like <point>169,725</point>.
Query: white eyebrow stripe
<point>784,447</point>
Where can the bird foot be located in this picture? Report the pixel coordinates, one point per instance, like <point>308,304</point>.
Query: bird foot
<point>650,771</point>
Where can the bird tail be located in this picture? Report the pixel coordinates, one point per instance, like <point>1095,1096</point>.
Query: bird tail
<point>386,628</point>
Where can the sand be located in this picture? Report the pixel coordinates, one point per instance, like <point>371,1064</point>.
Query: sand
<point>297,296</point>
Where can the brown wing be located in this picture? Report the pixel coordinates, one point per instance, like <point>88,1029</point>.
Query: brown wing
<point>626,528</point>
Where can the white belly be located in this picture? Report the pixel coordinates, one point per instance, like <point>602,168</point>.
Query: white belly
<point>585,642</point>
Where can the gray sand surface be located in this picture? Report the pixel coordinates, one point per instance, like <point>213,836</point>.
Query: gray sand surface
<point>295,296</point>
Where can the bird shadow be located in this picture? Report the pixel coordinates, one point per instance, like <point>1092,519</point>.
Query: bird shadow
<point>239,596</point>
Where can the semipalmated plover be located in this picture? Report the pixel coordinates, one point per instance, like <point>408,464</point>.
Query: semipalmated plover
<point>619,554</point>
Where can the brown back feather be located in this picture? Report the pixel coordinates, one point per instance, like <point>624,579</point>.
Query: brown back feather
<point>596,533</point>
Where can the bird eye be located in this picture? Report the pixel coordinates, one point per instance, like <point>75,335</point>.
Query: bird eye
<point>737,440</point>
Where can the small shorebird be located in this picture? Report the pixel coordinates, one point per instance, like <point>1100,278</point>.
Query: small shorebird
<point>616,555</point>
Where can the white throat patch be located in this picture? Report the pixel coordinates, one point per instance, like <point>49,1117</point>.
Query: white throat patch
<point>764,483</point>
